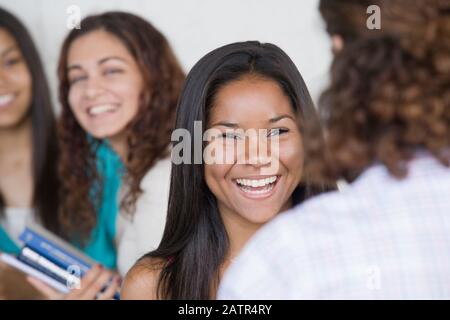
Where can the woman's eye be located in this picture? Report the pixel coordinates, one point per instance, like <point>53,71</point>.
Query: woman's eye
<point>230,135</point>
<point>112,71</point>
<point>12,62</point>
<point>277,131</point>
<point>77,79</point>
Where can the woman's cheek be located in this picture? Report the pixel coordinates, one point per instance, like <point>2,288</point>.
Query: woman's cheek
<point>219,152</point>
<point>291,154</point>
<point>21,78</point>
<point>230,153</point>
<point>71,97</point>
<point>214,175</point>
<point>74,103</point>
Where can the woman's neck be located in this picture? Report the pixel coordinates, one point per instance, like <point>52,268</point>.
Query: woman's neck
<point>15,142</point>
<point>16,152</point>
<point>240,231</point>
<point>119,145</point>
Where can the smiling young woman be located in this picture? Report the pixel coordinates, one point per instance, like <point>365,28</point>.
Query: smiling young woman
<point>119,84</point>
<point>245,195</point>
<point>215,208</point>
<point>28,143</point>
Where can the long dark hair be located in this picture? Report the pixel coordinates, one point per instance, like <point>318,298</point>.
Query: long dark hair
<point>45,147</point>
<point>195,241</point>
<point>148,134</point>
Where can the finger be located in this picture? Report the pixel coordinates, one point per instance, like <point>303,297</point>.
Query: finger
<point>90,292</point>
<point>111,291</point>
<point>85,282</point>
<point>48,292</point>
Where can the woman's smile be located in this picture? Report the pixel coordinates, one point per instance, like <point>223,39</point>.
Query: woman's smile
<point>259,187</point>
<point>7,99</point>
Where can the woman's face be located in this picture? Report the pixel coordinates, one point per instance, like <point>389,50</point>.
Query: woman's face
<point>15,82</point>
<point>105,84</point>
<point>256,186</point>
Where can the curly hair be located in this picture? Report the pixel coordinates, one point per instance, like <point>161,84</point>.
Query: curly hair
<point>389,94</point>
<point>148,135</point>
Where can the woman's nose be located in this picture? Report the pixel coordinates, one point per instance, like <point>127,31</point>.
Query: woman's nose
<point>93,88</point>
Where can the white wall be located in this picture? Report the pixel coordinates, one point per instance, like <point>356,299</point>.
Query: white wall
<point>195,27</point>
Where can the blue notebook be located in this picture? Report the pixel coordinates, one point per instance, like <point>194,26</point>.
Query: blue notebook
<point>53,256</point>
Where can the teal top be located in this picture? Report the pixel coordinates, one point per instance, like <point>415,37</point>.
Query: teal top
<point>6,244</point>
<point>101,246</point>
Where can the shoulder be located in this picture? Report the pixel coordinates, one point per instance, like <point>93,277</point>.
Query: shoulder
<point>269,263</point>
<point>156,186</point>
<point>157,179</point>
<point>158,175</point>
<point>141,281</point>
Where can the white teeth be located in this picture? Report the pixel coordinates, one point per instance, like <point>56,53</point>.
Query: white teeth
<point>6,98</point>
<point>256,183</point>
<point>99,109</point>
<point>264,185</point>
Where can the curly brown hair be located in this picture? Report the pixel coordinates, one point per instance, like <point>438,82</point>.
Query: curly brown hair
<point>389,94</point>
<point>148,135</point>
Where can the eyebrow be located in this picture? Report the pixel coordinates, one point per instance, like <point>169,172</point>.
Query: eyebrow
<point>283,116</point>
<point>225,124</point>
<point>110,58</point>
<point>101,61</point>
<point>5,52</point>
<point>74,67</point>
<point>235,125</point>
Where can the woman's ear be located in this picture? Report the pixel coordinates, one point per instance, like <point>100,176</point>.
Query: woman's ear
<point>337,43</point>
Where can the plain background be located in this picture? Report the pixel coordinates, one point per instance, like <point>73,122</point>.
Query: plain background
<point>195,27</point>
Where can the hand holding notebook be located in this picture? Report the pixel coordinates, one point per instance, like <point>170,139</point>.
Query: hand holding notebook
<point>60,271</point>
<point>88,289</point>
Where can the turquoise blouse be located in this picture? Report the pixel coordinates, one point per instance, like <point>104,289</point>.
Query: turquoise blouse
<point>6,244</point>
<point>101,246</point>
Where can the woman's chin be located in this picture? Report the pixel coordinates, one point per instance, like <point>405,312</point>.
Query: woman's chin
<point>104,133</point>
<point>259,214</point>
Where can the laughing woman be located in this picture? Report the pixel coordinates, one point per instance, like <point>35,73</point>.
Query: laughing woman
<point>28,142</point>
<point>215,208</point>
<point>119,84</point>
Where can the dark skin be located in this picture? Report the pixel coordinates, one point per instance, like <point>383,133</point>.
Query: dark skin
<point>249,103</point>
